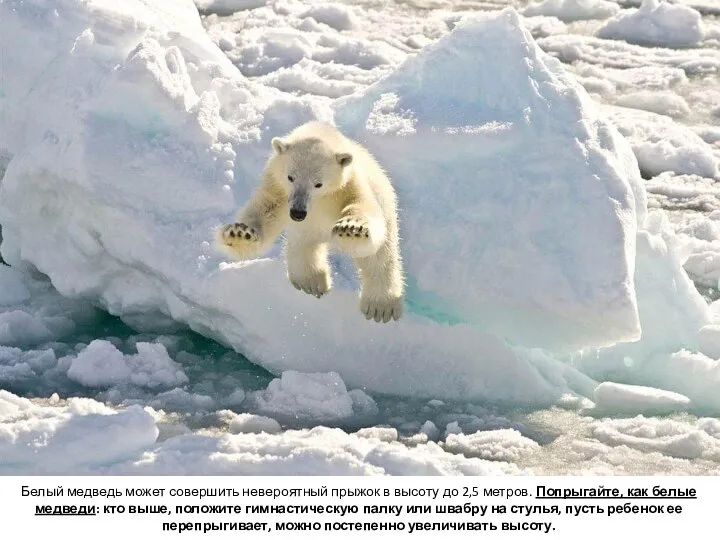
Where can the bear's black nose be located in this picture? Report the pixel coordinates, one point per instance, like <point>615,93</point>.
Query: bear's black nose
<point>298,215</point>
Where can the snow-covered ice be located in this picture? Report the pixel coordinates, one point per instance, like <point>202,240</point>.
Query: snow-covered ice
<point>227,7</point>
<point>656,22</point>
<point>517,286</point>
<point>318,396</point>
<point>101,364</point>
<point>614,397</point>
<point>494,445</point>
<point>622,55</point>
<point>74,437</point>
<point>573,10</point>
<point>543,271</point>
<point>82,433</point>
<point>668,103</point>
<point>663,436</point>
<point>662,145</point>
<point>253,423</point>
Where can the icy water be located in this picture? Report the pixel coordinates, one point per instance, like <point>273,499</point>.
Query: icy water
<point>551,441</point>
<point>211,368</point>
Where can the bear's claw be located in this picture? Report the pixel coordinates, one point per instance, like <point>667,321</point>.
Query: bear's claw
<point>314,284</point>
<point>351,228</point>
<point>238,233</point>
<point>381,310</point>
<point>239,240</point>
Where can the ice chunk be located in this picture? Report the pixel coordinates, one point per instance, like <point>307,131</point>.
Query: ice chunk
<point>658,23</point>
<point>672,313</point>
<point>709,341</point>
<point>253,423</point>
<point>101,364</point>
<point>180,400</point>
<point>386,434</point>
<point>661,144</point>
<point>430,430</point>
<point>482,203</point>
<point>227,7</point>
<point>667,103</point>
<point>573,10</point>
<point>75,437</point>
<point>497,444</point>
<point>335,15</point>
<point>322,397</point>
<point>666,436</point>
<point>625,398</point>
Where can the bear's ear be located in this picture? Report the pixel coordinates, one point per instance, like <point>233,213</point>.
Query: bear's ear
<point>344,158</point>
<point>279,145</point>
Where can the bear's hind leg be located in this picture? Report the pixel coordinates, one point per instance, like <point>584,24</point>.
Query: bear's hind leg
<point>381,296</point>
<point>308,267</point>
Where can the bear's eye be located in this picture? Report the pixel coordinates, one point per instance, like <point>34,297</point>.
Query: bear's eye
<point>318,185</point>
<point>291,178</point>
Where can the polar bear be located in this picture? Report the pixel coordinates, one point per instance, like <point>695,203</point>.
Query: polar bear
<point>325,191</point>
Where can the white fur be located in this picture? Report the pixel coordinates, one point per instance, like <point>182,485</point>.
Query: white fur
<point>351,206</point>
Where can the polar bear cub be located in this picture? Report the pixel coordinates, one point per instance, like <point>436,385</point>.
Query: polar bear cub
<point>325,191</point>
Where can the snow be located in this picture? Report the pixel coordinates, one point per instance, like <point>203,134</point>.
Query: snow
<point>622,55</point>
<point>334,15</point>
<point>501,444</point>
<point>573,10</point>
<point>72,435</point>
<point>227,7</point>
<point>381,433</point>
<point>656,22</point>
<point>667,103</point>
<point>706,7</point>
<point>48,440</point>
<point>45,440</point>
<point>666,436</point>
<point>562,312</point>
<point>325,49</point>
<point>662,145</point>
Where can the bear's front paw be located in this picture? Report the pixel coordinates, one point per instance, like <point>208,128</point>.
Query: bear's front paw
<point>238,232</point>
<point>381,309</point>
<point>356,236</point>
<point>351,227</point>
<point>239,239</point>
<point>315,284</point>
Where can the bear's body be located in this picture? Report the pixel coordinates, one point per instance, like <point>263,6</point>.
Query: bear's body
<point>326,192</point>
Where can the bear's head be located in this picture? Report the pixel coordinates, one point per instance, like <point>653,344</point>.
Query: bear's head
<point>308,169</point>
